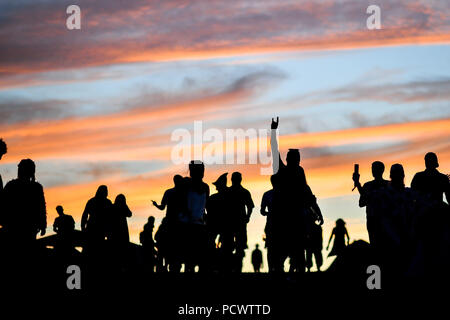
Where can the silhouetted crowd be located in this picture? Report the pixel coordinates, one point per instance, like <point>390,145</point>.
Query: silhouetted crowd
<point>408,227</point>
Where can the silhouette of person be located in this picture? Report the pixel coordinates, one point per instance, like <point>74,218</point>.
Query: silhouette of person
<point>3,151</point>
<point>367,191</point>
<point>148,244</point>
<point>25,212</point>
<point>314,240</point>
<point>267,210</point>
<point>340,234</point>
<point>118,232</point>
<point>64,226</point>
<point>257,259</point>
<point>241,206</point>
<point>174,200</point>
<point>171,200</point>
<point>216,219</point>
<point>432,186</point>
<point>64,223</point>
<point>195,235</point>
<point>162,244</point>
<point>95,218</point>
<point>396,206</point>
<point>431,182</point>
<point>291,202</point>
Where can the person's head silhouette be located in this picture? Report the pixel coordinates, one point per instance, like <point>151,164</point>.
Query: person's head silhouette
<point>397,175</point>
<point>196,170</point>
<point>3,148</point>
<point>431,161</point>
<point>102,192</point>
<point>177,180</point>
<point>236,179</point>
<point>60,210</point>
<point>151,220</point>
<point>120,200</point>
<point>257,246</point>
<point>274,180</point>
<point>26,170</point>
<point>293,158</point>
<point>377,170</point>
<point>221,182</point>
<point>340,223</point>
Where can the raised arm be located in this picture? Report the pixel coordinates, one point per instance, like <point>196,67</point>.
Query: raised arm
<point>356,182</point>
<point>363,198</point>
<point>276,158</point>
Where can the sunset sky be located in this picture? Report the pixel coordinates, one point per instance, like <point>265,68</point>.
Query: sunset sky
<point>98,105</point>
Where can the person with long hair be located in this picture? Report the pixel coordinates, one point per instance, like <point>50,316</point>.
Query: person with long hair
<point>340,234</point>
<point>118,234</point>
<point>94,221</point>
<point>118,231</point>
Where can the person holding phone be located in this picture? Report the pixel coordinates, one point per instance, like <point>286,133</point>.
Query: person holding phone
<point>366,192</point>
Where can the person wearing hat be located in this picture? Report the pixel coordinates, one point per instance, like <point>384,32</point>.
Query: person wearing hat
<point>216,219</point>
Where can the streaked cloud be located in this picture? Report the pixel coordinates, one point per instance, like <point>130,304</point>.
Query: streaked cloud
<point>33,36</point>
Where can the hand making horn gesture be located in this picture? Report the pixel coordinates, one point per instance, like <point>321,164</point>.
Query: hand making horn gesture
<point>274,124</point>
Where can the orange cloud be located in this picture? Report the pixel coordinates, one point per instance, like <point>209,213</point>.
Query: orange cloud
<point>329,175</point>
<point>141,31</point>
